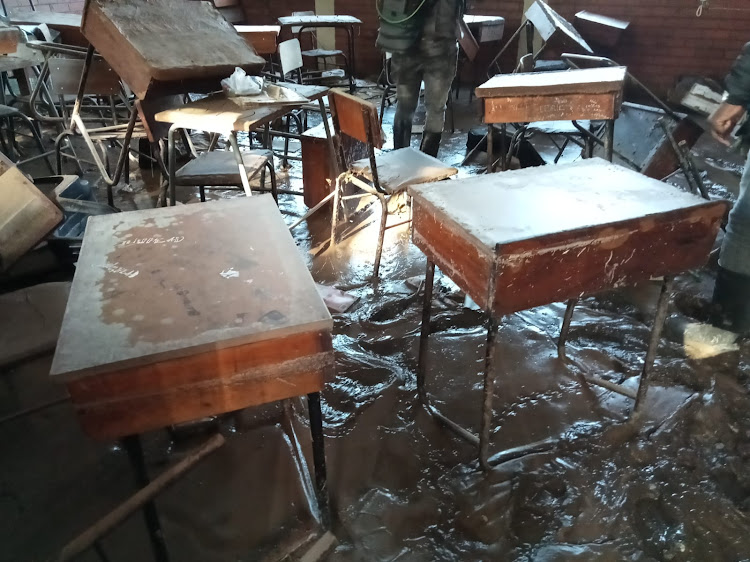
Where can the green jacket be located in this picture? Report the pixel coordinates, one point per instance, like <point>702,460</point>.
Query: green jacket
<point>737,82</point>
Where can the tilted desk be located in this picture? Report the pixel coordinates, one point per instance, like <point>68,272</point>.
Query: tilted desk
<point>521,239</point>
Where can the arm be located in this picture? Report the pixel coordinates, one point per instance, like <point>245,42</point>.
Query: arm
<point>736,99</point>
<point>724,119</point>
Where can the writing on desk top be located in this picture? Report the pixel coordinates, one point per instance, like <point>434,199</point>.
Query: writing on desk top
<point>184,279</point>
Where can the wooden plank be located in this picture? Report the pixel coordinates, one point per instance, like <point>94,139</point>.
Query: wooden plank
<point>9,38</point>
<point>572,265</point>
<point>579,81</point>
<point>256,359</point>
<point>567,107</point>
<point>153,42</point>
<point>145,413</point>
<point>263,38</point>
<point>354,115</point>
<point>168,283</point>
<point>26,215</point>
<point>460,257</point>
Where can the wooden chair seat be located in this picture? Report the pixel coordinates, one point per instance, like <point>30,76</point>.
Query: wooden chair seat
<point>220,168</point>
<point>401,168</point>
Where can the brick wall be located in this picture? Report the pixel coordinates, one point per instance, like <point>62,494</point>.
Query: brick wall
<point>74,6</point>
<point>665,39</point>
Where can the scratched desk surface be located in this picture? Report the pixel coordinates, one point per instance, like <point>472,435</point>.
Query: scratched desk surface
<point>166,283</point>
<point>584,81</point>
<point>512,206</point>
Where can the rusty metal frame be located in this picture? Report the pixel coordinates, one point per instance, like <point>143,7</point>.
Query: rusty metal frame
<point>482,441</point>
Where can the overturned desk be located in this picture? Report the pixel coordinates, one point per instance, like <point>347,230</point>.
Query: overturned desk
<point>571,95</point>
<point>521,239</point>
<point>173,317</point>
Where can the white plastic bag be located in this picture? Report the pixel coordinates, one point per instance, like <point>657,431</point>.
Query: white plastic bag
<point>240,84</point>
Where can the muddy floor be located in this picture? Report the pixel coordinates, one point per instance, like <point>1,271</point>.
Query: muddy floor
<point>674,487</point>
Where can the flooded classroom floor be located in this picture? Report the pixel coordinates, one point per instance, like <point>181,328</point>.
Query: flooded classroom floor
<point>674,487</point>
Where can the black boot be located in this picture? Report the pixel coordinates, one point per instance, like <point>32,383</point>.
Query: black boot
<point>732,301</point>
<point>430,143</point>
<point>401,133</point>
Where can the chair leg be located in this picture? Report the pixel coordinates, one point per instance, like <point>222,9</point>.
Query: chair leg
<point>381,234</point>
<point>335,215</point>
<point>274,187</point>
<point>202,190</point>
<point>37,139</point>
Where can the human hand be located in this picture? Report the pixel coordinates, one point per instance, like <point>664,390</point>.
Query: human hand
<point>723,120</point>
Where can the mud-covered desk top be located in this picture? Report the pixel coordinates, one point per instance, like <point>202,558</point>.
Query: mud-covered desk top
<point>558,231</point>
<point>173,282</point>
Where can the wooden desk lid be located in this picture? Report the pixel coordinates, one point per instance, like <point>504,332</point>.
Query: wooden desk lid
<point>579,81</point>
<point>508,207</point>
<point>151,41</point>
<point>166,283</point>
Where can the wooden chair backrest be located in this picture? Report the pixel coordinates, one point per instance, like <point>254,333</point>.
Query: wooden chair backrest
<point>468,42</point>
<point>356,118</point>
<point>65,75</point>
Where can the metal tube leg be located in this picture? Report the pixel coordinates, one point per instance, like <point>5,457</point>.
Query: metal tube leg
<point>490,151</point>
<point>132,445</point>
<point>172,157</point>
<point>240,163</point>
<point>381,234</point>
<point>566,326</point>
<point>319,457</point>
<point>335,217</point>
<point>274,187</point>
<point>503,148</point>
<point>488,393</point>
<point>661,315</point>
<point>424,335</point>
<point>609,140</point>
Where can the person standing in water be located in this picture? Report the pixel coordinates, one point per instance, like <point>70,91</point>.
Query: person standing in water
<point>422,36</point>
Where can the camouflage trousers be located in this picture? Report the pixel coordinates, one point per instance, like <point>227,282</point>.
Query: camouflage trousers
<point>434,62</point>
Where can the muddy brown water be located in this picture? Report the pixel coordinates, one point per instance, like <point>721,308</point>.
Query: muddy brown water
<point>676,487</point>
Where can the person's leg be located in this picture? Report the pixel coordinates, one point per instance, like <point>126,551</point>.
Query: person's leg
<point>440,70</point>
<point>732,291</point>
<point>407,69</point>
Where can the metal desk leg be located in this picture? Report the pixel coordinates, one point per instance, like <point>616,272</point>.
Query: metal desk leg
<point>424,337</point>
<point>648,363</point>
<point>490,151</point>
<point>132,445</point>
<point>351,62</point>
<point>566,326</point>
<point>240,163</point>
<point>609,140</point>
<point>319,457</point>
<point>504,149</point>
<point>172,164</point>
<point>488,393</point>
